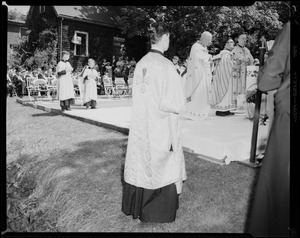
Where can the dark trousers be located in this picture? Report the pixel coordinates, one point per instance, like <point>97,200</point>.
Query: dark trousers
<point>66,103</point>
<point>10,89</point>
<point>91,104</point>
<point>20,88</point>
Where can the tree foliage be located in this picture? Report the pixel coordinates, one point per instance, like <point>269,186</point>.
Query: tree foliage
<point>14,14</point>
<point>40,48</point>
<point>188,22</point>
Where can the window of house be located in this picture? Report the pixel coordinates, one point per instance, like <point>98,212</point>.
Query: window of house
<point>13,48</point>
<point>42,9</point>
<point>23,31</point>
<point>80,40</point>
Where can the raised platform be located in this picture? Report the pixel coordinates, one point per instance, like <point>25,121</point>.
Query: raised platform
<point>217,139</point>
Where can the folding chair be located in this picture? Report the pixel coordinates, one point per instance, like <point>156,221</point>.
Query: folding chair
<point>78,88</point>
<point>108,86</point>
<point>40,86</point>
<point>30,87</point>
<point>53,89</point>
<point>121,88</point>
<point>130,81</point>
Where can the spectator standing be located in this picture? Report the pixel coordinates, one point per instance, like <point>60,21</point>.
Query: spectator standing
<point>109,70</point>
<point>103,67</point>
<point>113,67</point>
<point>133,62</point>
<point>182,70</point>
<point>175,61</point>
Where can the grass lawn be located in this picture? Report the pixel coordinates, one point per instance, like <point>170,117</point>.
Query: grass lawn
<point>70,177</point>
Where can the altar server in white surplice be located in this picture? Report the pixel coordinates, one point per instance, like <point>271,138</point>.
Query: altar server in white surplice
<point>198,81</point>
<point>90,75</point>
<point>154,165</point>
<point>66,93</point>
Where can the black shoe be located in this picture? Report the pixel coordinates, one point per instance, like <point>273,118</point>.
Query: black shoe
<point>221,114</point>
<point>68,109</point>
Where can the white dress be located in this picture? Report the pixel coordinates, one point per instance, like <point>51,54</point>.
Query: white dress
<point>157,99</point>
<point>65,82</point>
<point>89,85</point>
<point>198,83</point>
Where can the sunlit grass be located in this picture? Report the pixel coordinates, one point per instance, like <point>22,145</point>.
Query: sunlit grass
<point>78,169</point>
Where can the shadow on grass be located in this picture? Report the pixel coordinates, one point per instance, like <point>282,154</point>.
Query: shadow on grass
<point>84,186</point>
<point>45,114</point>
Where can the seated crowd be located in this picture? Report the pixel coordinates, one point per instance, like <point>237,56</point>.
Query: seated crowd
<point>18,78</point>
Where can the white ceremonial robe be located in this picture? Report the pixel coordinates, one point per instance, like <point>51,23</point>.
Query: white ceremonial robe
<point>222,86</point>
<point>198,83</point>
<point>157,100</point>
<point>89,85</point>
<point>242,53</point>
<point>65,82</point>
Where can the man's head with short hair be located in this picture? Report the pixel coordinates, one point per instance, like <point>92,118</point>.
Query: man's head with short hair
<point>242,38</point>
<point>175,59</point>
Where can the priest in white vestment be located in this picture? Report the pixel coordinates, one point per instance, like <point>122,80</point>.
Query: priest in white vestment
<point>154,165</point>
<point>222,86</point>
<point>198,81</point>
<point>243,58</point>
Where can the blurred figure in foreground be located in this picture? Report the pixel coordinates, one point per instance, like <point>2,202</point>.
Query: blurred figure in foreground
<point>270,213</point>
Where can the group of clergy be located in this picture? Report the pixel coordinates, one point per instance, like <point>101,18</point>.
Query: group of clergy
<point>215,82</point>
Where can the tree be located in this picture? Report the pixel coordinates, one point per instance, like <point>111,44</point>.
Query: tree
<point>16,15</point>
<point>40,48</point>
<point>187,22</point>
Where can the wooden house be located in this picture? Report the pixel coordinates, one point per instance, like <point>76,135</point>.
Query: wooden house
<point>86,32</point>
<point>15,31</point>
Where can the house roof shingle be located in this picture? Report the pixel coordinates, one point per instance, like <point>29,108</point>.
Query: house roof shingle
<point>101,15</point>
<point>104,15</point>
